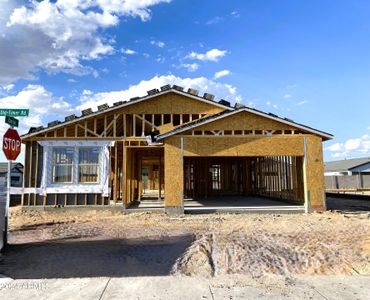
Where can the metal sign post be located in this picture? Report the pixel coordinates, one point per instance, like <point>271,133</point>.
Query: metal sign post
<point>5,237</point>
<point>11,149</point>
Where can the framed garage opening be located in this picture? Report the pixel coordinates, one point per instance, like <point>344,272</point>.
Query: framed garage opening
<point>276,177</point>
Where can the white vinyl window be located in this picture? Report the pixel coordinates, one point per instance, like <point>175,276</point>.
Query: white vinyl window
<point>88,164</point>
<point>62,165</point>
<point>74,165</point>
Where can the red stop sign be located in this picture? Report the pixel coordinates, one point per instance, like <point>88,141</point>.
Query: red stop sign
<point>11,144</point>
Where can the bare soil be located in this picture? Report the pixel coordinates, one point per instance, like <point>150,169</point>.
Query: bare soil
<point>93,243</point>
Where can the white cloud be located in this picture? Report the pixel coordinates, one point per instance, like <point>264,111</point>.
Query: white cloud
<point>160,59</point>
<point>158,43</point>
<point>146,55</point>
<point>8,87</point>
<point>220,90</point>
<point>287,96</point>
<point>222,73</point>
<point>128,51</point>
<point>214,20</point>
<point>190,67</point>
<point>41,103</point>
<point>211,55</point>
<point>302,102</point>
<point>351,147</point>
<point>59,36</point>
<point>71,80</point>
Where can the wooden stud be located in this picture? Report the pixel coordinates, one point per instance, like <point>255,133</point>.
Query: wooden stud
<point>115,172</point>
<point>143,126</point>
<point>24,176</point>
<point>65,199</point>
<point>30,172</point>
<point>85,199</point>
<point>36,172</point>
<point>115,125</point>
<point>124,125</point>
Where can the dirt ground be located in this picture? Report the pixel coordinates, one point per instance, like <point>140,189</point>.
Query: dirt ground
<point>95,243</point>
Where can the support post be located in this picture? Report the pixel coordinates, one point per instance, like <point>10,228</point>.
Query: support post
<point>7,204</point>
<point>306,196</point>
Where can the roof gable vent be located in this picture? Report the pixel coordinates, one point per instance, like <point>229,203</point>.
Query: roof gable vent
<point>70,118</point>
<point>178,88</point>
<point>165,87</point>
<point>224,102</point>
<point>86,112</point>
<point>153,92</point>
<point>117,103</point>
<point>193,92</point>
<point>103,107</point>
<point>208,96</point>
<point>134,98</point>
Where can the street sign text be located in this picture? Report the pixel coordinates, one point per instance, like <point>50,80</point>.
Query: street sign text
<point>22,112</point>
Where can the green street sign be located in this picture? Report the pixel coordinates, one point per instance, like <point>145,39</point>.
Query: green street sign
<point>11,121</point>
<point>22,112</point>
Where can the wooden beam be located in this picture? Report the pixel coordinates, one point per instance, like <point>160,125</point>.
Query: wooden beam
<point>124,125</point>
<point>30,172</point>
<point>36,172</point>
<point>24,176</point>
<point>88,130</point>
<point>115,125</point>
<point>115,172</point>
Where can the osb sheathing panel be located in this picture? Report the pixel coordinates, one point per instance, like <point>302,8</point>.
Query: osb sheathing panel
<point>245,121</point>
<point>315,172</point>
<point>292,145</point>
<point>173,173</point>
<point>171,104</point>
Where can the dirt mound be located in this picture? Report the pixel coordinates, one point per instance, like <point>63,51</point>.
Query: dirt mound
<point>197,260</point>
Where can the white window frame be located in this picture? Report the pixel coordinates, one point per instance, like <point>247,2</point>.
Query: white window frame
<point>97,164</point>
<point>52,179</point>
<point>100,187</point>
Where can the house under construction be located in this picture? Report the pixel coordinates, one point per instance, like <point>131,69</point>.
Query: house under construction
<point>172,148</point>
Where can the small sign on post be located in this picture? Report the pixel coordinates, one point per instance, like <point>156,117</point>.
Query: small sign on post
<point>13,122</point>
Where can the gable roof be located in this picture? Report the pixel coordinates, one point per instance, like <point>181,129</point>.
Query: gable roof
<point>15,167</point>
<point>174,89</point>
<point>224,114</point>
<point>345,164</point>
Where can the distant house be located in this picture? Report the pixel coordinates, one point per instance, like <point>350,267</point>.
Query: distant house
<point>16,174</point>
<point>353,166</point>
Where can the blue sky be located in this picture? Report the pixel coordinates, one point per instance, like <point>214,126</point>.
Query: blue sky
<point>306,60</point>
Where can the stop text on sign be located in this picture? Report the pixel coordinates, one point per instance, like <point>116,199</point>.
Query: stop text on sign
<point>11,144</point>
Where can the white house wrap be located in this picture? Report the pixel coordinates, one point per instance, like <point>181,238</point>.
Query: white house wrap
<point>100,187</point>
